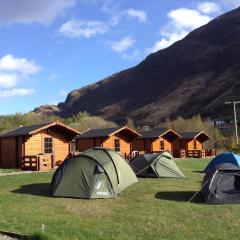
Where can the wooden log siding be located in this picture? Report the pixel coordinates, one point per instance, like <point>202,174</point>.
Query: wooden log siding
<point>17,145</point>
<point>151,145</point>
<point>8,152</point>
<point>199,145</point>
<point>19,151</point>
<point>156,145</point>
<point>109,142</point>
<point>138,145</point>
<point>33,145</point>
<point>107,138</point>
<point>187,145</point>
<point>61,146</point>
<point>84,144</point>
<point>125,146</point>
<point>142,145</point>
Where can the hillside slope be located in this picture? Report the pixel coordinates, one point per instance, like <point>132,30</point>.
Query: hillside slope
<point>194,75</point>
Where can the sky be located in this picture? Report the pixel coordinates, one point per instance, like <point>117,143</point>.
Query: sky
<point>49,48</point>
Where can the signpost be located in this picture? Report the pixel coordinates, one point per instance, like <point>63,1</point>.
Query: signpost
<point>235,118</point>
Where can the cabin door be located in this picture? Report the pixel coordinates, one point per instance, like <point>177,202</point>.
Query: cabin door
<point>49,149</point>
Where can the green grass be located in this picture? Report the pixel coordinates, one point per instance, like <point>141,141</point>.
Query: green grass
<point>3,170</point>
<point>152,209</point>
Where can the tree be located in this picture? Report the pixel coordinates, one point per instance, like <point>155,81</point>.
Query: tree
<point>130,123</point>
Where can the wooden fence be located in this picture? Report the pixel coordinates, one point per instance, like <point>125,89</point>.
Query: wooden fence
<point>197,153</point>
<point>43,162</point>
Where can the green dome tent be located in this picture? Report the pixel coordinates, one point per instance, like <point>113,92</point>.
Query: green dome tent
<point>95,173</point>
<point>156,165</point>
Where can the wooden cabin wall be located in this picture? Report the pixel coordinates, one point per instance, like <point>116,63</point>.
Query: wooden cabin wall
<point>156,145</point>
<point>148,145</point>
<point>138,145</point>
<point>8,152</point>
<point>84,143</point>
<point>125,146</point>
<point>190,145</point>
<point>61,146</point>
<point>180,144</point>
<point>19,151</point>
<point>143,145</point>
<point>98,142</point>
<point>176,147</point>
<point>33,145</point>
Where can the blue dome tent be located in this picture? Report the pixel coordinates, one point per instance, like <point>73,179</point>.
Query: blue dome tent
<point>228,157</point>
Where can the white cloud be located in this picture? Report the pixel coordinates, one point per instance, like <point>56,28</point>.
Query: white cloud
<point>8,80</point>
<point>166,41</point>
<point>209,7</point>
<point>29,11</point>
<point>181,22</point>
<point>122,45</point>
<point>139,14</point>
<point>81,28</point>
<point>16,92</point>
<point>108,6</point>
<point>14,70</point>
<point>184,18</point>
<point>11,64</point>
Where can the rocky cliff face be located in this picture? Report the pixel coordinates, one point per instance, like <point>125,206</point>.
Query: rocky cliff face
<point>193,76</point>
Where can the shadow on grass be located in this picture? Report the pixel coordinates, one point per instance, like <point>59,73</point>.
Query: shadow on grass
<point>38,189</point>
<point>182,196</point>
<point>13,235</point>
<point>198,171</point>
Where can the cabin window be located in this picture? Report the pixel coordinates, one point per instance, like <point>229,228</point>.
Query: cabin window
<point>48,145</point>
<point>162,145</point>
<point>195,144</point>
<point>73,146</point>
<point>117,145</point>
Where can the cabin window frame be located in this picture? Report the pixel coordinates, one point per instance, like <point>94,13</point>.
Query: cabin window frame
<point>162,145</point>
<point>195,144</point>
<point>73,145</point>
<point>48,145</point>
<point>117,145</point>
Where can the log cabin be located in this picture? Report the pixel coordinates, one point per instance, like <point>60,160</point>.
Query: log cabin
<point>154,141</point>
<point>191,144</point>
<point>118,138</point>
<point>36,147</point>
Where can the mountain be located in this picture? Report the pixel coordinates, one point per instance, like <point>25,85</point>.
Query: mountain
<point>193,76</point>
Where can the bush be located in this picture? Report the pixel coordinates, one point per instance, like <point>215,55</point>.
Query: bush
<point>196,123</point>
<point>81,122</point>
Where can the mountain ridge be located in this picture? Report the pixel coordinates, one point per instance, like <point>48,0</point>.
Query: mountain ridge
<point>193,76</point>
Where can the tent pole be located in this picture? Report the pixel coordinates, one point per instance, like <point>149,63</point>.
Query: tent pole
<point>144,169</point>
<point>190,200</point>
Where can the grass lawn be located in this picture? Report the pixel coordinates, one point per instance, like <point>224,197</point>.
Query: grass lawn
<point>3,170</point>
<point>152,209</point>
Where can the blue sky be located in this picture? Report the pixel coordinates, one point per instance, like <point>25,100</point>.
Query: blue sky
<point>48,48</point>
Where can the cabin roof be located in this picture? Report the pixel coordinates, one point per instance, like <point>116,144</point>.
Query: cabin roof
<point>32,129</point>
<point>195,135</point>
<point>107,132</point>
<point>156,133</point>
